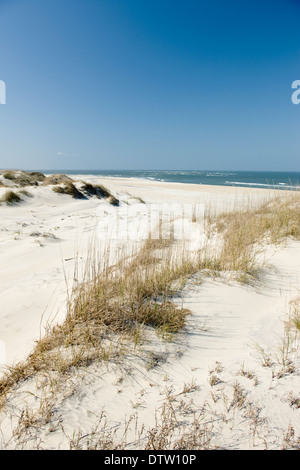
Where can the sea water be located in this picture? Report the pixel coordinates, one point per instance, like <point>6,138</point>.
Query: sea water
<point>258,179</point>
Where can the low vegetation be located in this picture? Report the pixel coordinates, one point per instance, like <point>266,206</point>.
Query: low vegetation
<point>245,232</point>
<point>110,301</point>
<point>56,179</point>
<point>139,290</point>
<point>22,178</point>
<point>61,184</point>
<point>9,198</point>
<point>94,190</point>
<point>70,189</point>
<point>99,191</point>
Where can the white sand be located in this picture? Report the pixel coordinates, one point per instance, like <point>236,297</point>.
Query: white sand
<point>41,241</point>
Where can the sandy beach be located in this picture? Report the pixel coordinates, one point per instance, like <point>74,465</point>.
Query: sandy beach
<point>149,228</point>
<point>43,238</point>
<point>230,367</point>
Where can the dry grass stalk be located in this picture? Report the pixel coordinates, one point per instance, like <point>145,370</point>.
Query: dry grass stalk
<point>138,291</point>
<point>245,231</point>
<point>10,198</point>
<point>111,301</point>
<point>23,178</point>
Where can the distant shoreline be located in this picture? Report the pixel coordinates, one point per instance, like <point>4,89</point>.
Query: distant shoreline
<point>252,179</point>
<point>274,180</point>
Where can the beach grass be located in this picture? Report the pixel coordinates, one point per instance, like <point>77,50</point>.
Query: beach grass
<point>10,198</point>
<point>117,302</point>
<point>111,301</point>
<point>139,290</point>
<point>69,188</point>
<point>22,178</point>
<point>61,184</point>
<point>246,231</point>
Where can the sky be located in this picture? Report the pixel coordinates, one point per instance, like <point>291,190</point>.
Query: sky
<point>149,84</point>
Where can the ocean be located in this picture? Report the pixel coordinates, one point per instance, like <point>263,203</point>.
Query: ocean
<point>255,179</point>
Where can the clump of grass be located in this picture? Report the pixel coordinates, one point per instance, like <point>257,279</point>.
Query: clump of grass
<point>246,373</point>
<point>25,193</point>
<point>214,380</point>
<point>137,292</point>
<point>111,302</point>
<point>95,190</point>
<point>70,189</point>
<point>290,441</point>
<point>294,320</point>
<point>244,232</point>
<point>22,178</point>
<point>9,175</point>
<point>56,179</point>
<point>37,175</point>
<point>113,201</point>
<point>171,431</point>
<point>65,185</point>
<point>10,198</point>
<point>294,401</point>
<point>137,198</point>
<point>239,396</point>
<point>100,192</point>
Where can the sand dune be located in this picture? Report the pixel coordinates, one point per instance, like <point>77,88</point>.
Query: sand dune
<point>214,369</point>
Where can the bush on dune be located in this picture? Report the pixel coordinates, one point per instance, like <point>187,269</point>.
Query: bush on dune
<point>23,178</point>
<point>100,192</point>
<point>93,190</point>
<point>10,198</point>
<point>56,179</point>
<point>61,183</point>
<point>70,189</point>
<point>37,175</point>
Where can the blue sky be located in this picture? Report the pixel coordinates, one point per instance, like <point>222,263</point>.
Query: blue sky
<point>149,84</point>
